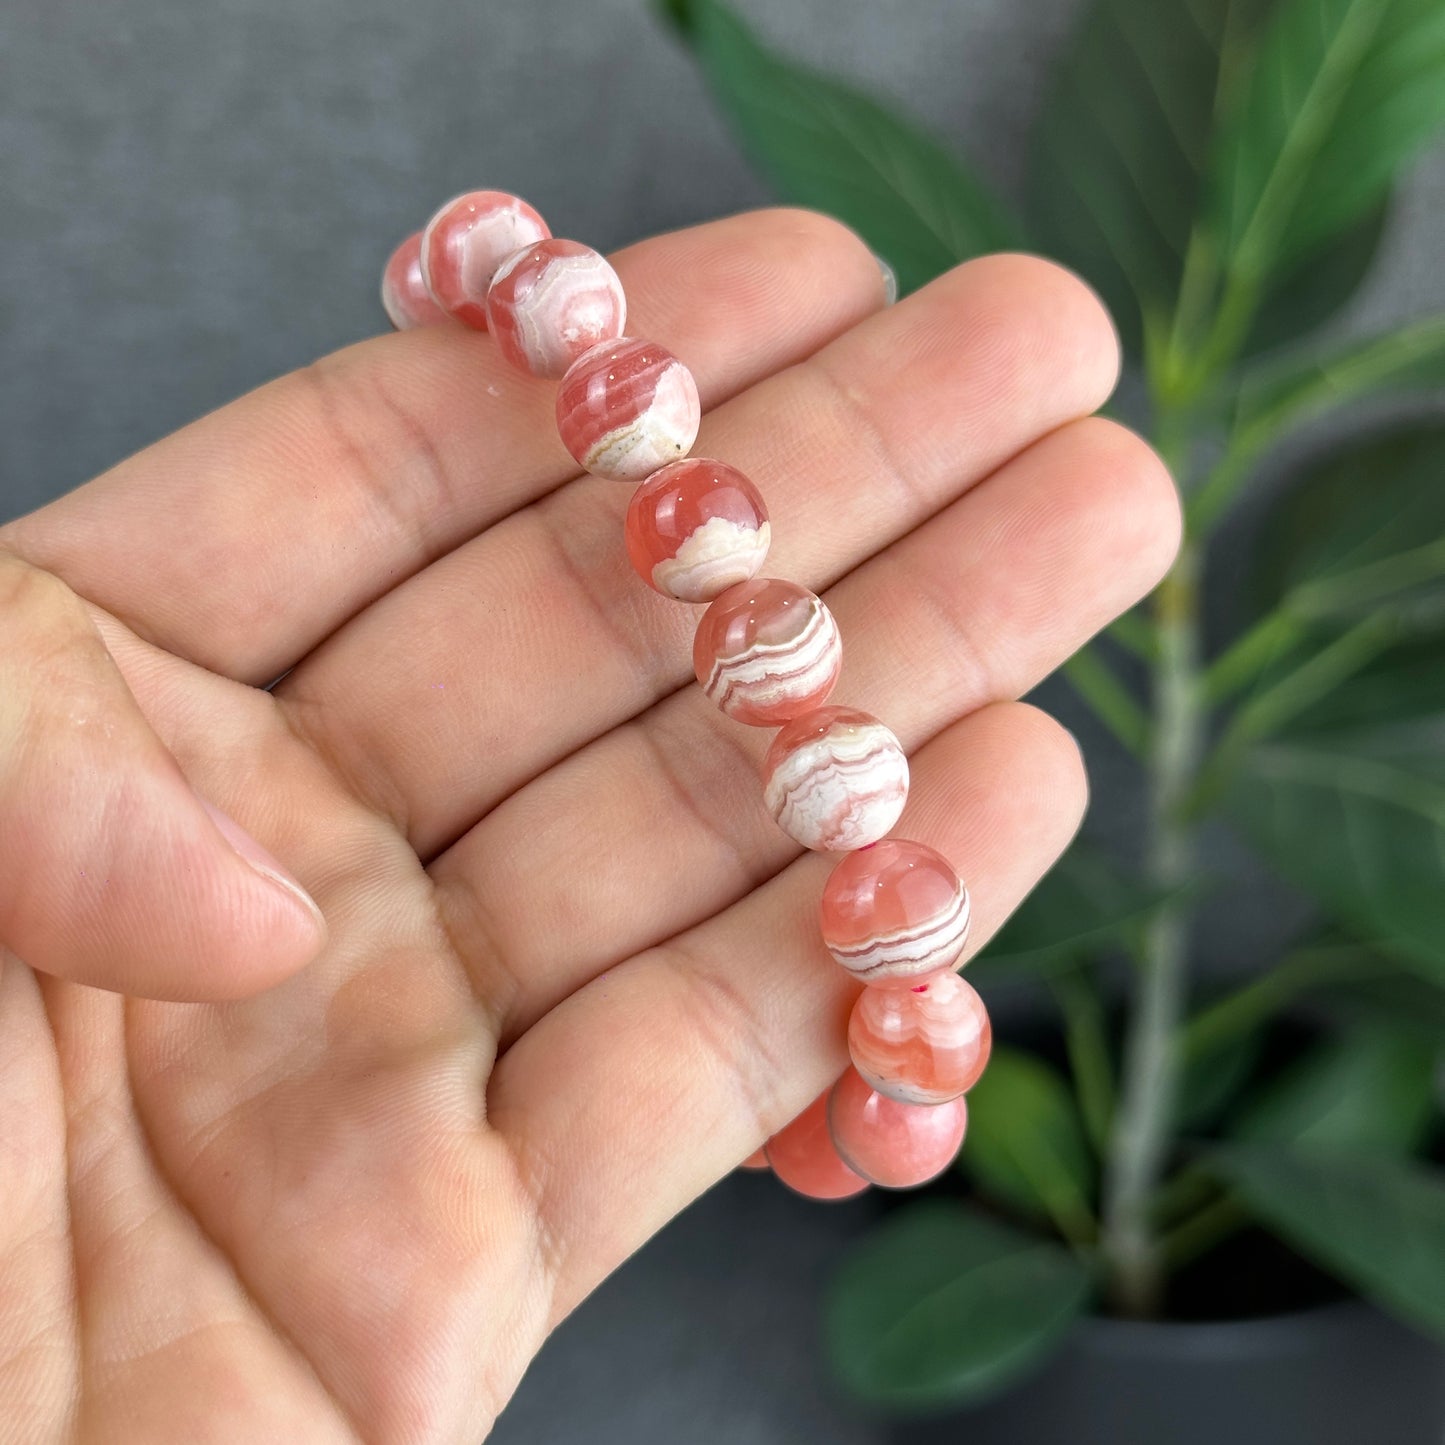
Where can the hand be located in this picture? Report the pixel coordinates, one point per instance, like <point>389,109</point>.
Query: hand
<point>317,1181</point>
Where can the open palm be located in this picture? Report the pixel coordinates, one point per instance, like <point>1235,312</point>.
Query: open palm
<point>570,973</point>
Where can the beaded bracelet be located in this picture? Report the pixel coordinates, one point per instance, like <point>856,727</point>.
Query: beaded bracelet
<point>768,653</point>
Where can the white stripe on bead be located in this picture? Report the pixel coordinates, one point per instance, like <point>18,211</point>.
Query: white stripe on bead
<point>843,790</point>
<point>768,674</point>
<point>720,554</point>
<point>929,945</point>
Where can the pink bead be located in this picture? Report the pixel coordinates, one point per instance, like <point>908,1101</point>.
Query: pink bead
<point>696,528</point>
<point>835,778</point>
<point>890,1144</point>
<point>921,1045</point>
<point>803,1157</point>
<point>627,407</point>
<point>466,241</point>
<point>766,651</point>
<point>404,296</point>
<point>550,302</point>
<point>758,1159</point>
<point>895,913</point>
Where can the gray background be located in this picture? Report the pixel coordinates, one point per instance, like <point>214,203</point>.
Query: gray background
<point>199,194</point>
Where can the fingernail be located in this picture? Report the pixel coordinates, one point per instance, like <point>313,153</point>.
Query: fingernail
<point>890,280</point>
<point>259,859</point>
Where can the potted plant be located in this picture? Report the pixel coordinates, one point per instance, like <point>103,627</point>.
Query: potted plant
<point>1162,1187</point>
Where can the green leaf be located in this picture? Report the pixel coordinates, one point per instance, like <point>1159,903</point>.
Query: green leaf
<point>1302,297</point>
<point>1403,687</point>
<point>1212,1078</point>
<point>1339,94</point>
<point>1359,823</point>
<point>825,144</point>
<point>1119,156</point>
<point>943,1305</point>
<point>1372,1089</point>
<point>1403,1001</point>
<point>1363,528</point>
<point>1296,388</point>
<point>1375,1222</point>
<point>1026,1144</point>
<point>1082,904</point>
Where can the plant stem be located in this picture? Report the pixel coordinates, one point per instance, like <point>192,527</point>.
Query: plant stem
<point>1142,1135</point>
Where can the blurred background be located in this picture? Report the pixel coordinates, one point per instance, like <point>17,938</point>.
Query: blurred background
<point>199,196</point>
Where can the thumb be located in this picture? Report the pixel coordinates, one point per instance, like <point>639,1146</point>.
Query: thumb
<point>113,872</point>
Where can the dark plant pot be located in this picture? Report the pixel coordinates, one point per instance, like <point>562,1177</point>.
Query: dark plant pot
<point>1337,1374</point>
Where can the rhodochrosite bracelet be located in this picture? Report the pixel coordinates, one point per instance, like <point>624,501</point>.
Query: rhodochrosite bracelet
<point>767,652</point>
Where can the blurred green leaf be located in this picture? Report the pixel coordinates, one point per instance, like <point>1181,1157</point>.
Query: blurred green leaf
<point>1372,1089</point>
<point>1121,143</point>
<point>1304,296</point>
<point>827,145</point>
<point>1405,1001</point>
<point>1119,155</point>
<point>1338,95</point>
<point>1363,527</point>
<point>1026,1144</point>
<point>1083,903</point>
<point>1402,687</point>
<point>1375,1222</point>
<point>1212,1078</point>
<point>1296,388</point>
<point>943,1304</point>
<point>1359,822</point>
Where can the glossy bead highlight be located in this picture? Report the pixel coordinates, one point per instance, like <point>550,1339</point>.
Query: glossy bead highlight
<point>803,1157</point>
<point>896,1146</point>
<point>895,913</point>
<point>465,242</point>
<point>766,651</point>
<point>835,779</point>
<point>404,297</point>
<point>921,1045</point>
<point>550,302</point>
<point>626,408</point>
<point>695,528</point>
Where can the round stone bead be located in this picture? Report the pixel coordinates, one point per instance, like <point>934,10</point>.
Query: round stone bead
<point>550,302</point>
<point>466,241</point>
<point>404,297</point>
<point>766,651</point>
<point>627,407</point>
<point>758,1159</point>
<point>803,1157</point>
<point>894,913</point>
<point>695,528</point>
<point>891,1144</point>
<point>921,1045</point>
<point>835,779</point>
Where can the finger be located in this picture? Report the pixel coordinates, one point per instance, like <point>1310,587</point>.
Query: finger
<point>300,503</point>
<point>158,1300</point>
<point>649,1084</point>
<point>39,1328</point>
<point>113,872</point>
<point>852,448</point>
<point>977,606</point>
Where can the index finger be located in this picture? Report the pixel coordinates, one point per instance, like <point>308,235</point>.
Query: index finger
<point>243,540</point>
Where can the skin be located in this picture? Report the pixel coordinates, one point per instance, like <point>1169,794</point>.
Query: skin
<point>270,1175</point>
